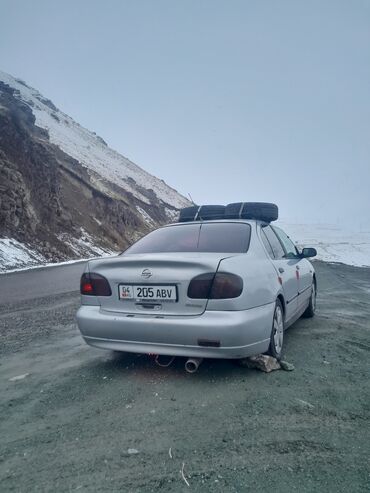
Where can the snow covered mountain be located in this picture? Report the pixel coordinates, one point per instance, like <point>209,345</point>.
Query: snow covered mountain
<point>63,192</point>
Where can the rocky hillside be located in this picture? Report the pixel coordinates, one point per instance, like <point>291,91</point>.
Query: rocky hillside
<point>64,193</point>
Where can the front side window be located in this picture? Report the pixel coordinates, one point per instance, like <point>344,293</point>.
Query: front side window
<point>289,247</point>
<point>209,237</point>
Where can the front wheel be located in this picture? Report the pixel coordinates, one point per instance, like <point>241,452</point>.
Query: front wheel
<point>277,332</point>
<point>310,310</point>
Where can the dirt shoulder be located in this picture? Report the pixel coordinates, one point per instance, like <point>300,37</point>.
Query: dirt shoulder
<point>88,420</point>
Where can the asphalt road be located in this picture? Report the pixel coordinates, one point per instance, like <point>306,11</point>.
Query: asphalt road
<point>80,419</point>
<point>39,282</point>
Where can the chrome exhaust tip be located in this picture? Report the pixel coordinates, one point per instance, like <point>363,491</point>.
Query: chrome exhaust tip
<point>192,364</point>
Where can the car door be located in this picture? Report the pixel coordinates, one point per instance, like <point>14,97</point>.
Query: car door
<point>305,282</point>
<point>286,269</point>
<point>303,271</point>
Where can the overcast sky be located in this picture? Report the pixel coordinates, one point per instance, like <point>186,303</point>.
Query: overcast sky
<point>226,100</point>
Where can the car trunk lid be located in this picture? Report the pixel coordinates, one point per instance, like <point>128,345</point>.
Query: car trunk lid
<point>160,271</point>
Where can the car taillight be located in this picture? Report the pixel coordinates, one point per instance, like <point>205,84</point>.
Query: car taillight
<point>215,286</point>
<point>94,285</point>
<point>200,286</point>
<point>226,285</point>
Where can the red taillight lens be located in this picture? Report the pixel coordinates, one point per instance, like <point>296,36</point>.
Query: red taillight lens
<point>94,285</point>
<point>226,285</point>
<point>215,286</point>
<point>87,288</point>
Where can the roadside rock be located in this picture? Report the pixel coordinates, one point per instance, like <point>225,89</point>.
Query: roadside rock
<point>261,362</point>
<point>265,363</point>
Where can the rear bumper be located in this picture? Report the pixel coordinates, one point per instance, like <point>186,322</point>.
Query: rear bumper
<point>240,333</point>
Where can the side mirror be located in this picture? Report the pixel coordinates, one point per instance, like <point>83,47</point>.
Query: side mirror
<point>308,252</point>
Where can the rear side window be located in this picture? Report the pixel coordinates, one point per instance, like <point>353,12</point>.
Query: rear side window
<point>266,243</point>
<point>209,237</point>
<point>274,242</point>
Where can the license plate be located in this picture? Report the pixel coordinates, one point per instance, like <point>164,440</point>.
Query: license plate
<point>133,292</point>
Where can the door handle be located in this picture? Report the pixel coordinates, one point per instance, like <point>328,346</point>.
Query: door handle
<point>281,270</point>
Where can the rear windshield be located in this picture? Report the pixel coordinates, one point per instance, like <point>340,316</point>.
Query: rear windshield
<point>217,237</point>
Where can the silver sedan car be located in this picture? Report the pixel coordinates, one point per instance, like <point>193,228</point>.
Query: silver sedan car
<point>218,288</point>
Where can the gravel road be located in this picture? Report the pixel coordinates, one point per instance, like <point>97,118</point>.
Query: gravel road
<point>81,419</point>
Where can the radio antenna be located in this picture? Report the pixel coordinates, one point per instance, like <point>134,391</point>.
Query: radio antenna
<point>191,199</point>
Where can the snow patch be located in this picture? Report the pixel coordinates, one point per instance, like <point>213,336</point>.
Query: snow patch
<point>172,214</point>
<point>14,254</point>
<point>333,243</point>
<point>85,245</point>
<point>145,216</point>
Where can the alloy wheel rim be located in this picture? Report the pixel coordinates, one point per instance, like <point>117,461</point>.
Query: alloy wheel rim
<point>278,330</point>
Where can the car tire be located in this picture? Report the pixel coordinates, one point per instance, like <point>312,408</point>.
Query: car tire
<point>277,332</point>
<point>210,212</point>
<point>205,213</point>
<point>188,213</point>
<point>264,211</point>
<point>311,309</point>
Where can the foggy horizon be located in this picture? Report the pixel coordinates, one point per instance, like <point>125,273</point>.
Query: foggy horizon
<point>225,102</point>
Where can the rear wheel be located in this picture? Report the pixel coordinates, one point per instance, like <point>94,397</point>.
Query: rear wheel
<point>310,310</point>
<point>277,332</point>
